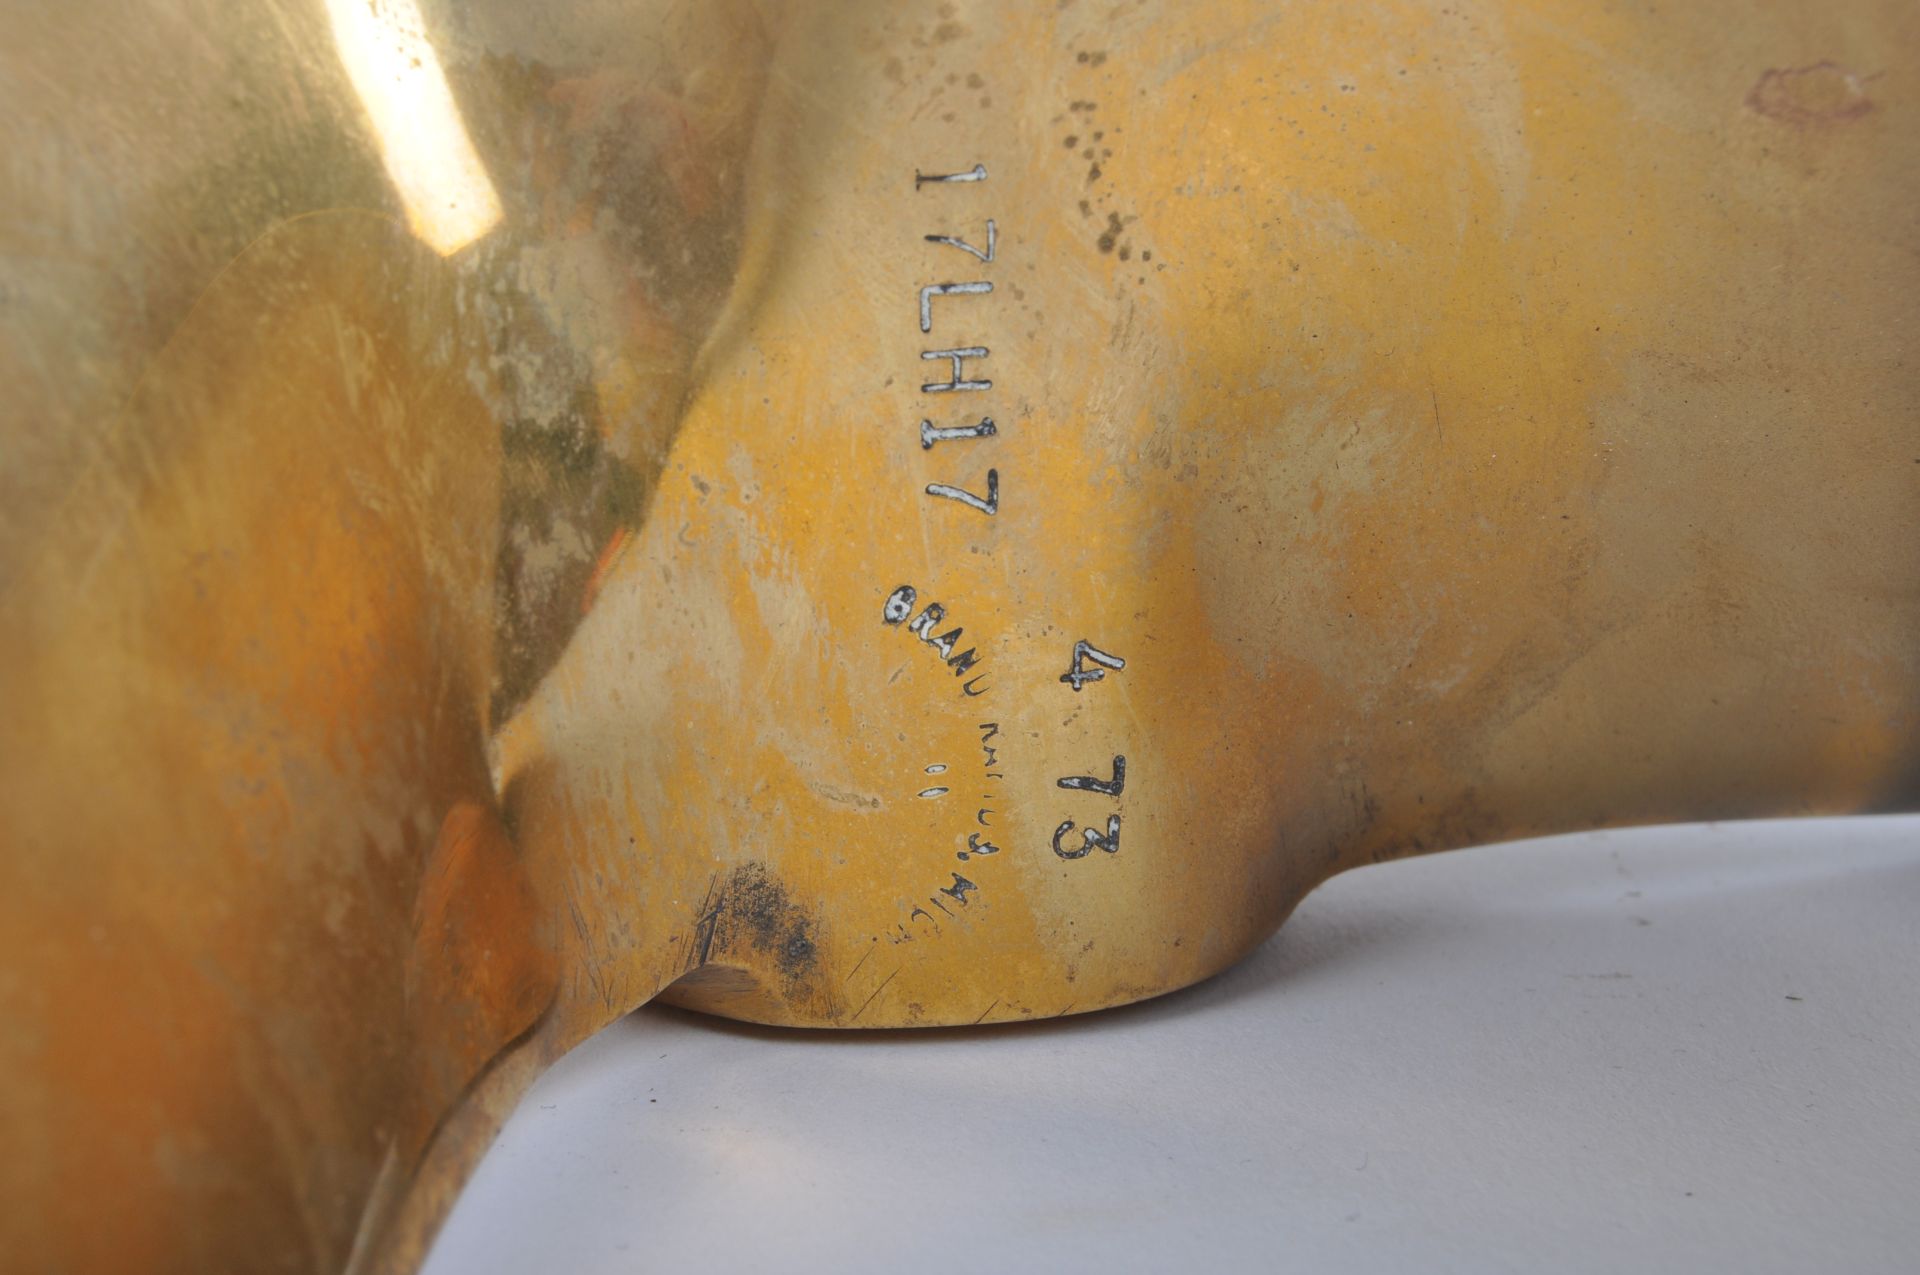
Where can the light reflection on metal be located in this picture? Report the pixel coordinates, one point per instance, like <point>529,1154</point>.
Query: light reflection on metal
<point>383,44</point>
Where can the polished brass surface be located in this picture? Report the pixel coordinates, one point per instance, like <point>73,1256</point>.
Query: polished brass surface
<point>479,551</point>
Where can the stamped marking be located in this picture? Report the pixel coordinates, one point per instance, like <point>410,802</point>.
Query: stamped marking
<point>1079,675</point>
<point>932,290</point>
<point>951,242</point>
<point>959,382</point>
<point>1109,787</point>
<point>1110,842</point>
<point>929,435</point>
<point>976,845</point>
<point>978,173</point>
<point>899,605</point>
<point>989,506</point>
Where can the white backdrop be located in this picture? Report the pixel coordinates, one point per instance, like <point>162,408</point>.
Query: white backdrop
<point>1673,1049</point>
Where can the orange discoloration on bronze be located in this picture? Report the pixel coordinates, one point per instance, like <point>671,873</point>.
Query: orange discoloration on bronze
<point>237,706</point>
<point>616,545</point>
<point>1465,423</point>
<point>482,967</point>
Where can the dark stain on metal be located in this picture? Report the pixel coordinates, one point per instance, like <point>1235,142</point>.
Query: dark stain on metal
<point>755,912</point>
